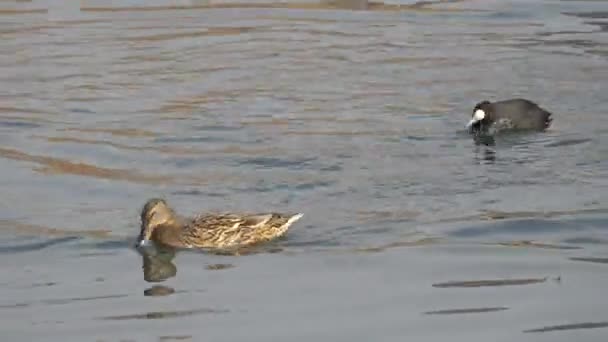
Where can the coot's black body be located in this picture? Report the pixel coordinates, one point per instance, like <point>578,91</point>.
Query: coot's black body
<point>517,114</point>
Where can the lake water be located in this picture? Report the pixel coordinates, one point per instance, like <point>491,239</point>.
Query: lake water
<point>350,112</point>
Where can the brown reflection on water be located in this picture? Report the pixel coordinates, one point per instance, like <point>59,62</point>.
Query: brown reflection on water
<point>194,102</point>
<point>20,110</point>
<point>216,267</point>
<point>19,228</point>
<point>123,132</point>
<point>323,4</point>
<point>172,150</point>
<point>52,165</point>
<point>51,25</point>
<point>95,142</point>
<point>159,291</point>
<point>4,11</point>
<point>212,31</point>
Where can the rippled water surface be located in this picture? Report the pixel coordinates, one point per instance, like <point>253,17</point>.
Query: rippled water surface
<point>350,112</point>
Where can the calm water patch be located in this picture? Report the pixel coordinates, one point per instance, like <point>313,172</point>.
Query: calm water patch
<point>351,112</point>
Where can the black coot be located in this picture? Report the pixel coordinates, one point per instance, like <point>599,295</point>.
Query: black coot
<point>521,114</point>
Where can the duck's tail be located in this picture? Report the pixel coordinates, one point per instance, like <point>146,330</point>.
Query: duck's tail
<point>286,221</point>
<point>548,119</point>
<point>291,220</point>
<point>294,218</point>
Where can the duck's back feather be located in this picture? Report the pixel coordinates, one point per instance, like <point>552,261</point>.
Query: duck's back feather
<point>229,229</point>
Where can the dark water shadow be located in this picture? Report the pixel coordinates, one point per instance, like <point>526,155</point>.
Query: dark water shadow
<point>163,314</point>
<point>30,247</point>
<point>486,148</point>
<point>535,223</point>
<point>568,142</point>
<point>582,240</point>
<point>466,311</point>
<point>18,124</point>
<point>193,139</point>
<point>216,267</point>
<point>587,325</point>
<point>199,193</point>
<point>603,25</point>
<point>110,245</point>
<point>527,243</point>
<point>515,138</point>
<point>266,185</point>
<point>503,137</point>
<point>484,140</point>
<point>590,259</point>
<point>588,15</point>
<point>512,227</point>
<point>397,244</point>
<point>493,282</point>
<point>273,162</point>
<point>62,301</point>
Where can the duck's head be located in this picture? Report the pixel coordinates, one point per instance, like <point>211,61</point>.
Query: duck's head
<point>481,118</point>
<point>154,214</point>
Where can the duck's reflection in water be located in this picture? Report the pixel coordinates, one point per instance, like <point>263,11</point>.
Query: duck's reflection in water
<point>158,263</point>
<point>158,266</point>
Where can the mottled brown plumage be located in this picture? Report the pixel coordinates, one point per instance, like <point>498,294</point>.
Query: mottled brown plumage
<point>160,224</point>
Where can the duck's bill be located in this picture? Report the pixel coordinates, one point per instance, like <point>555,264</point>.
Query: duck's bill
<point>143,243</point>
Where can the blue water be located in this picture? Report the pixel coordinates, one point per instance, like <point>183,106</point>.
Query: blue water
<point>355,118</point>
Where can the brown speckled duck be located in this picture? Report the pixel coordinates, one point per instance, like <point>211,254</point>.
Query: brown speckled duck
<point>160,224</point>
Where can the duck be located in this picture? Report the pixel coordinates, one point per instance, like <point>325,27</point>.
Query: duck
<point>514,114</point>
<point>161,224</point>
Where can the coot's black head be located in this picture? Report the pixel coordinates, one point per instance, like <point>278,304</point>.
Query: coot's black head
<point>482,117</point>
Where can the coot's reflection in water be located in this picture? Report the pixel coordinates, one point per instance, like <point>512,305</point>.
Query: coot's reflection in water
<point>484,154</point>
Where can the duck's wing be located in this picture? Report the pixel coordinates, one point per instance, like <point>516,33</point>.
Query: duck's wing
<point>229,221</point>
<point>229,229</point>
<point>242,221</point>
<point>211,230</point>
<point>214,221</point>
<point>256,220</point>
<point>269,220</point>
